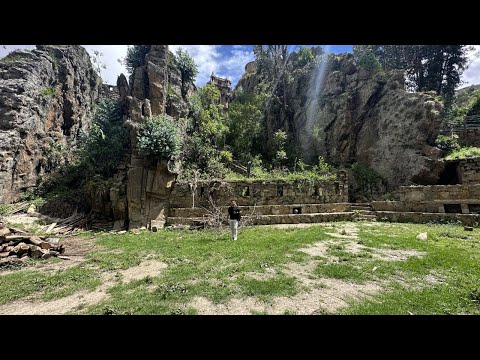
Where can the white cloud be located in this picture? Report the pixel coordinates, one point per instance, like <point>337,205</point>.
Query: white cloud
<point>111,54</point>
<point>210,58</point>
<point>5,49</point>
<point>471,76</point>
<point>207,58</point>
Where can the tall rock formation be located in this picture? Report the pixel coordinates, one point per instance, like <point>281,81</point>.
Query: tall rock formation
<point>46,99</point>
<point>155,89</point>
<point>346,114</point>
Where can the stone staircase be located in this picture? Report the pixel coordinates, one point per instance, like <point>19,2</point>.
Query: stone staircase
<point>266,214</point>
<point>365,211</point>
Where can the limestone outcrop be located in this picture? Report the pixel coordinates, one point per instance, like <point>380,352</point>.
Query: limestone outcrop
<point>47,97</point>
<point>154,89</point>
<point>343,112</point>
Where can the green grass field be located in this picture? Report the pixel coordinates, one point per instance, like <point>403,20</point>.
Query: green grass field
<point>330,268</point>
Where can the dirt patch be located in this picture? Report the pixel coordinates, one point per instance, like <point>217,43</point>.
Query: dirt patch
<point>316,249</point>
<point>286,226</point>
<point>146,268</point>
<point>83,298</point>
<point>267,275</point>
<point>396,255</point>
<point>348,231</point>
<point>335,295</point>
<point>324,296</point>
<point>302,272</point>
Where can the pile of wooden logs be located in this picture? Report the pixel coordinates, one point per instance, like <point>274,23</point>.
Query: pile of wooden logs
<point>18,244</point>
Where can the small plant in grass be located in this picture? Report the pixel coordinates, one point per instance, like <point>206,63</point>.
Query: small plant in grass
<point>474,296</point>
<point>48,92</point>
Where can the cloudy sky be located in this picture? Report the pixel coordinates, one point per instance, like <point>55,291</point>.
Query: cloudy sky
<point>224,60</point>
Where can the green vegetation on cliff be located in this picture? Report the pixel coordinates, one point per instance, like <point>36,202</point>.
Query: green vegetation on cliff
<point>464,153</point>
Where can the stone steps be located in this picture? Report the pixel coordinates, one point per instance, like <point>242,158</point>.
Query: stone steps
<point>361,208</point>
<point>267,209</point>
<point>272,219</point>
<point>364,212</point>
<point>424,217</point>
<point>361,204</point>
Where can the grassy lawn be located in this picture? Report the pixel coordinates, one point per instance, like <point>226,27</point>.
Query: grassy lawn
<point>269,270</point>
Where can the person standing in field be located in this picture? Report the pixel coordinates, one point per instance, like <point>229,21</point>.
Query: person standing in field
<point>234,216</point>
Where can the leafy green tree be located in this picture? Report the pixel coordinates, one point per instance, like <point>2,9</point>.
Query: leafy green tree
<point>246,125</point>
<point>188,69</point>
<point>306,56</point>
<point>427,67</point>
<point>103,147</point>
<point>159,138</point>
<point>135,57</point>
<point>279,140</point>
<point>211,119</point>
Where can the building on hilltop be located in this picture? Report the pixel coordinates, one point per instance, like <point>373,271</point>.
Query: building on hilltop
<point>225,87</point>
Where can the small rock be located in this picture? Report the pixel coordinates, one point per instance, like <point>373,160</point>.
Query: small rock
<point>53,241</point>
<point>468,228</point>
<point>122,232</point>
<point>422,236</point>
<point>31,209</point>
<point>46,256</point>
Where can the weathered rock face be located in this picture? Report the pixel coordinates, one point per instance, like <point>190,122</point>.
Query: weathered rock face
<point>148,186</point>
<point>347,115</point>
<point>46,100</point>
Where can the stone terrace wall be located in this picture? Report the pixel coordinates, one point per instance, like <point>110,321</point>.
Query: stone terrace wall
<point>468,171</point>
<point>463,198</point>
<point>257,192</point>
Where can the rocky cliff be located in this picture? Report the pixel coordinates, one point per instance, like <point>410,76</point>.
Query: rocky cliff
<point>347,114</point>
<point>46,99</point>
<point>153,89</point>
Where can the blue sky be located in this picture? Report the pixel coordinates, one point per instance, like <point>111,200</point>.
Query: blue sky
<point>224,60</point>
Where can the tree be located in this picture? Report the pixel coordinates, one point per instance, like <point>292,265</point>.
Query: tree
<point>135,57</point>
<point>279,139</point>
<point>104,146</point>
<point>245,118</point>
<point>366,57</point>
<point>427,67</point>
<point>98,64</point>
<point>212,124</point>
<point>188,69</point>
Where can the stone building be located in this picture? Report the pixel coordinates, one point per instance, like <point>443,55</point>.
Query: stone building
<point>225,87</point>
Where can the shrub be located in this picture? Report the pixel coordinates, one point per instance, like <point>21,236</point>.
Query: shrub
<point>463,153</point>
<point>367,182</point>
<point>447,143</point>
<point>135,56</point>
<point>369,62</point>
<point>306,56</point>
<point>226,156</point>
<point>159,138</point>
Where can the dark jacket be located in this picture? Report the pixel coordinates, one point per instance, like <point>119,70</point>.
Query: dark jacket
<point>234,213</point>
